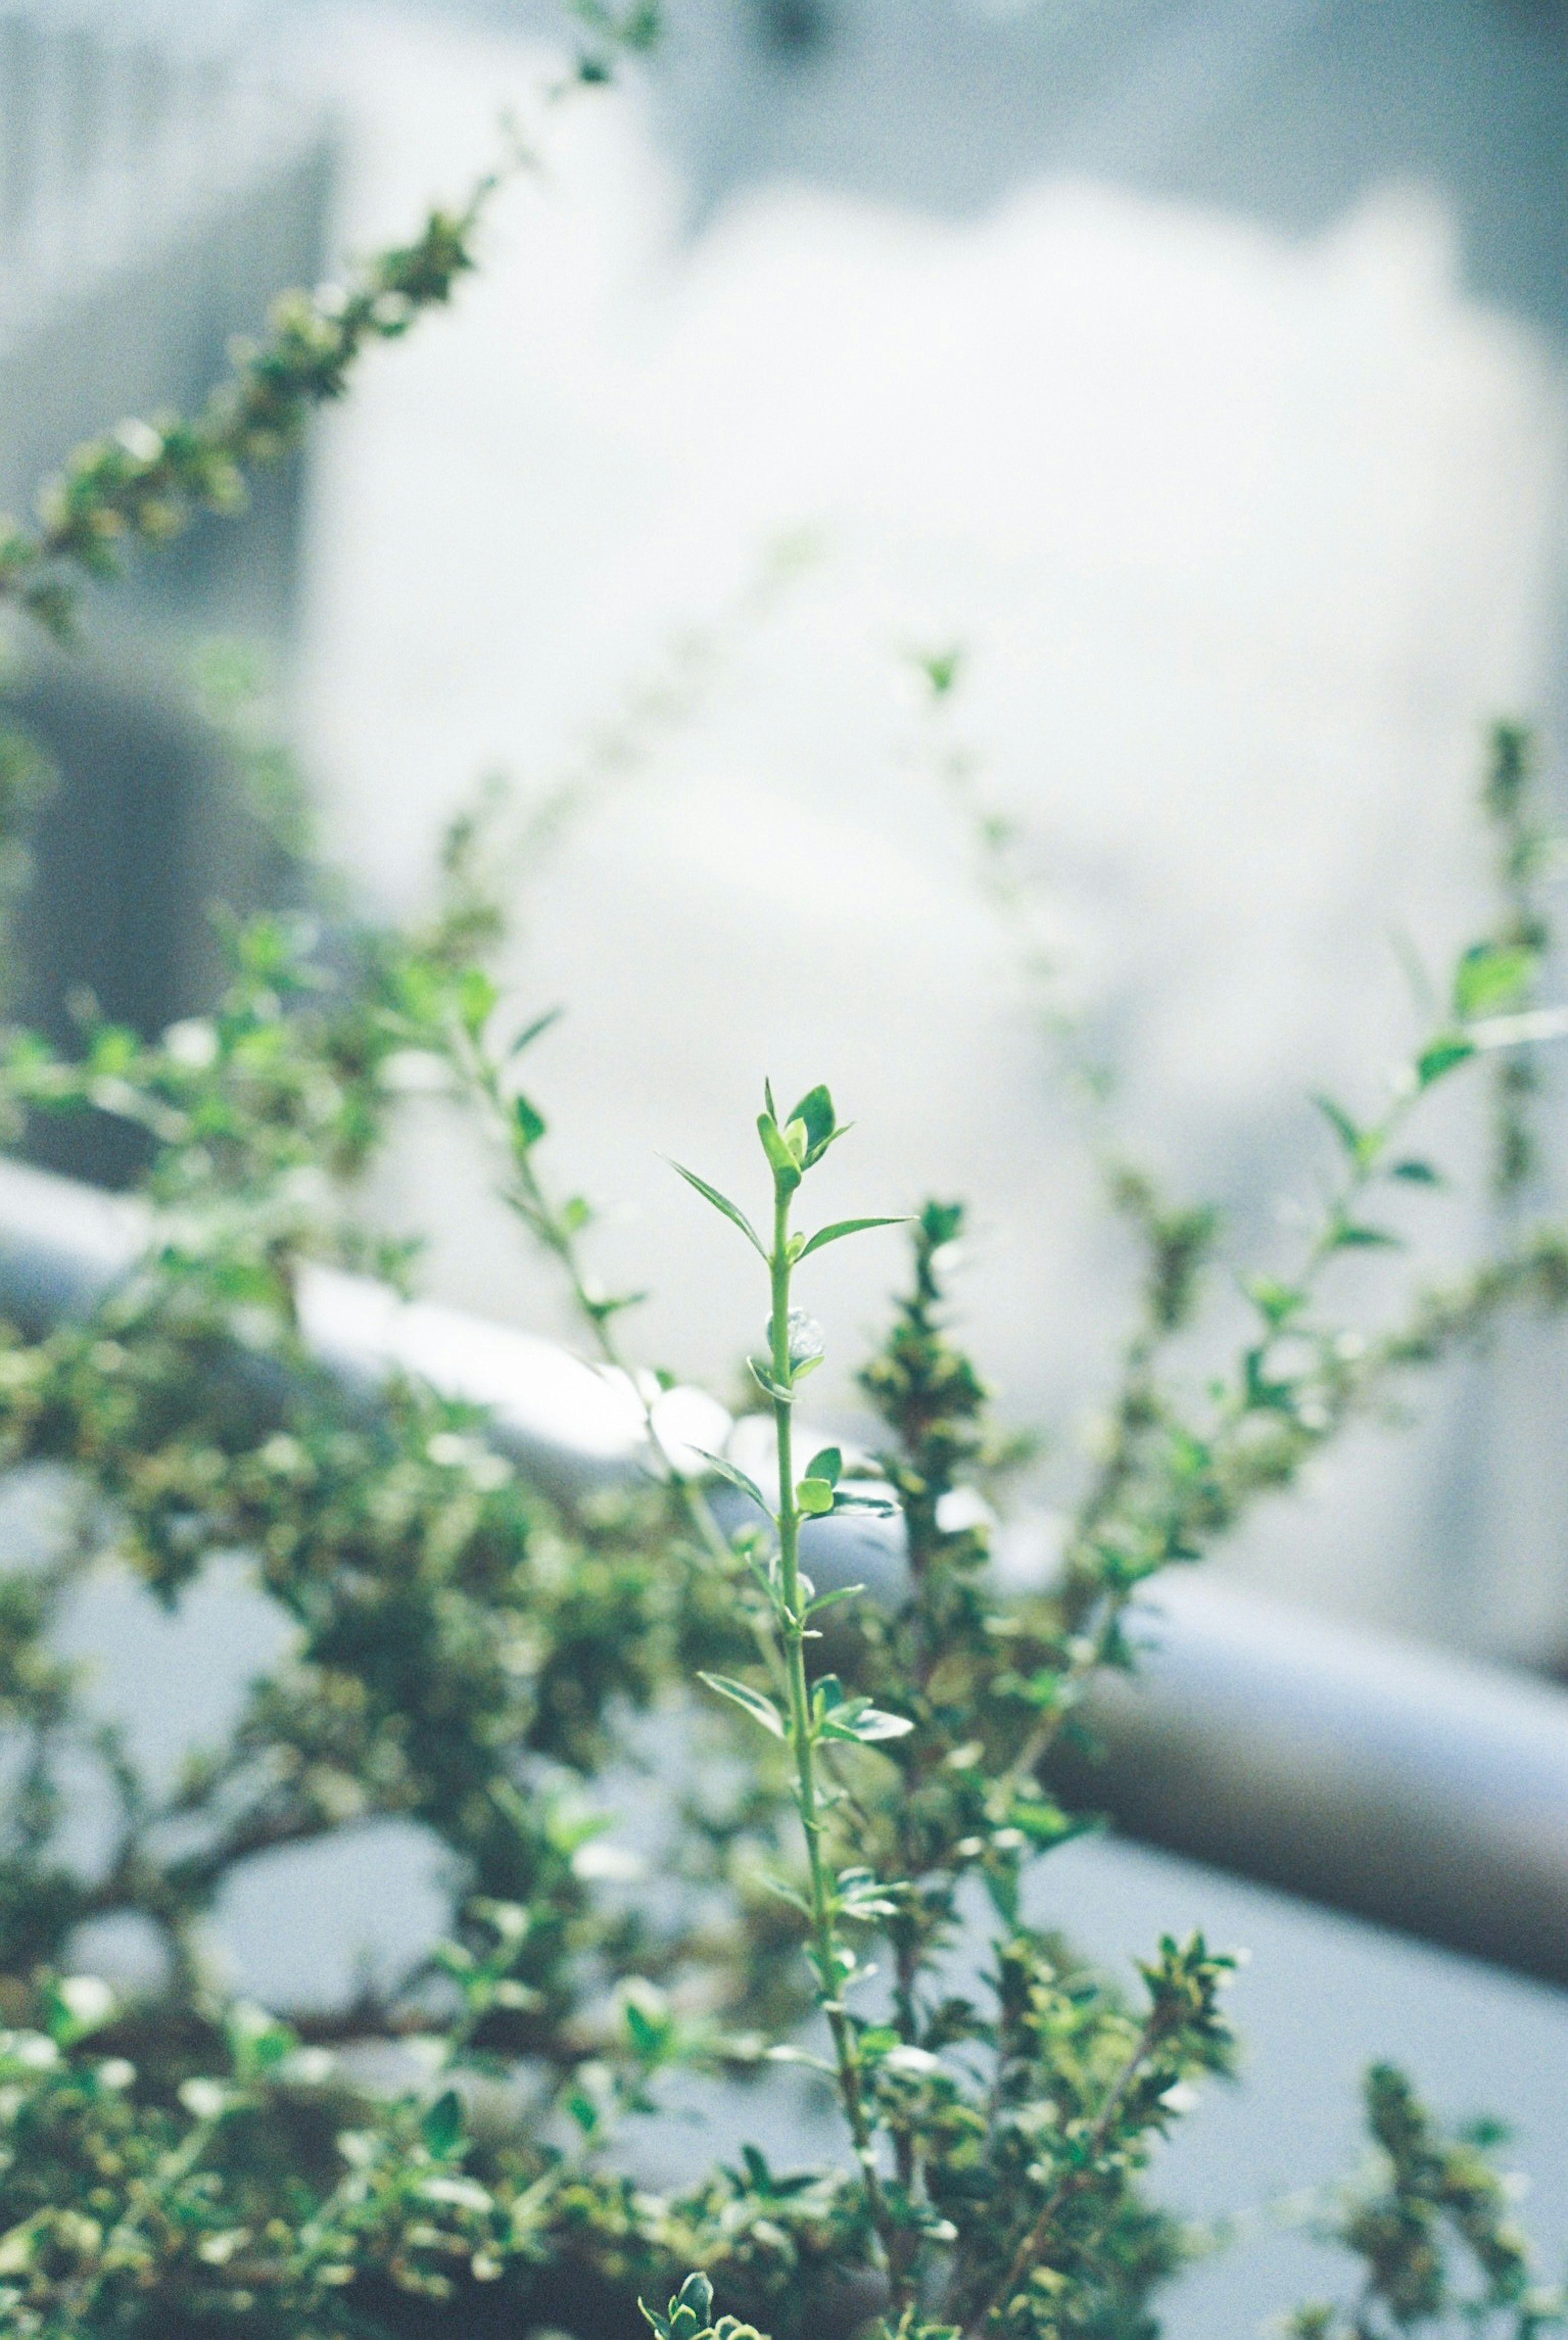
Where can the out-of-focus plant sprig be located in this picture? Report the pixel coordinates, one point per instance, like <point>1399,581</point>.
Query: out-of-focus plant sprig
<point>1432,2223</point>
<point>146,481</point>
<point>1529,856</point>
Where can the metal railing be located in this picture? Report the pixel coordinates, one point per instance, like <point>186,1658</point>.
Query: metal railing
<point>1414,1789</point>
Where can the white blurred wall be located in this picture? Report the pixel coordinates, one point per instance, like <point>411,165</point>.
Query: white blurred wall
<point>1248,538</point>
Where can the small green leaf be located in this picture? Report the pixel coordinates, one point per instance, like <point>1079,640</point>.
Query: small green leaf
<point>788,2053</point>
<point>780,1160</point>
<point>736,1478</point>
<point>581,2109</point>
<point>882,1505</point>
<point>875,1724</point>
<point>534,1031</point>
<point>940,669</point>
<point>1493,977</point>
<point>827,1464</point>
<point>690,2312</point>
<point>814,1497</point>
<point>1416,1173</point>
<point>1275,1303</point>
<point>1001,1884</point>
<point>612,1303</point>
<point>442,2125</point>
<point>782,1892</point>
<point>649,2026</point>
<point>1350,1237</point>
<point>696,2293</point>
<point>647,2042</point>
<point>530,1122</point>
<point>754,1702</point>
<point>842,1228</point>
<point>862,1895</point>
<point>257,2041</point>
<point>476,999</point>
<point>763,1375</point>
<point>731,1211</point>
<point>829,1600</point>
<point>1442,1057</point>
<point>866,1727</point>
<point>1044,1823</point>
<point>815,1111</point>
<point>1352,1138</point>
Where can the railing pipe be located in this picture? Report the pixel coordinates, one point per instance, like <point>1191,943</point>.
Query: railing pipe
<point>1402,1784</point>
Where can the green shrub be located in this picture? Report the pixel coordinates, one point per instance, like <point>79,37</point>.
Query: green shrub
<point>470,1654</point>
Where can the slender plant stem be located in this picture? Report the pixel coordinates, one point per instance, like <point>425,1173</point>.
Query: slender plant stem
<point>826,1954</point>
<point>1138,1409</point>
<point>549,1226</point>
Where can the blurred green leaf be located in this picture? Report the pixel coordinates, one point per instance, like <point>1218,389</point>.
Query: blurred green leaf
<point>441,2124</point>
<point>731,1211</point>
<point>1442,1057</point>
<point>753,1702</point>
<point>1491,977</point>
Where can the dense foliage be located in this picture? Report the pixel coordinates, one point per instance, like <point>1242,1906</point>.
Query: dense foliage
<point>866,1780</point>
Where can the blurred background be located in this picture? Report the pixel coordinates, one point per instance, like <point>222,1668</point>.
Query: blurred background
<point>1194,369</point>
<point>1195,372</point>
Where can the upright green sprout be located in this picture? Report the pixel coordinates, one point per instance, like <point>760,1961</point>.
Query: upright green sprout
<point>956,2216</point>
<point>818,1714</point>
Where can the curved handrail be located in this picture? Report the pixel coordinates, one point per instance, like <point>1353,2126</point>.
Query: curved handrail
<point>1409,1786</point>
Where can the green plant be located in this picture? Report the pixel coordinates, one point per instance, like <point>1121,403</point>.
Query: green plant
<point>868,1775</point>
<point>146,481</point>
<point>1432,2225</point>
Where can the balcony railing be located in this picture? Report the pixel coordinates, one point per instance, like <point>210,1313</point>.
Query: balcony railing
<point>1424,1791</point>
